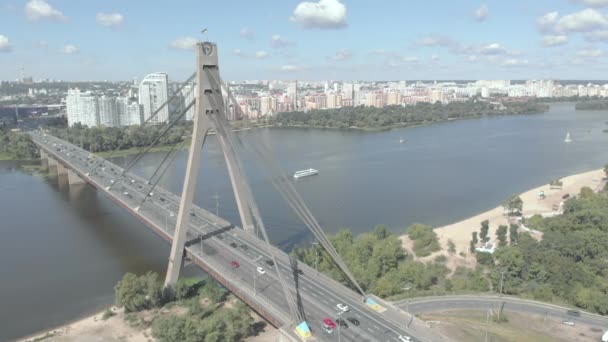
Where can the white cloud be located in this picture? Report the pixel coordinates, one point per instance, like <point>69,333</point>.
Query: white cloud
<point>40,9</point>
<point>70,49</point>
<point>597,36</point>
<point>261,54</point>
<point>278,42</point>
<point>240,53</point>
<point>493,49</point>
<point>324,14</point>
<point>342,55</point>
<point>589,53</point>
<point>183,43</point>
<point>546,22</point>
<point>5,45</point>
<point>247,33</point>
<point>289,67</point>
<point>472,58</point>
<point>513,62</point>
<point>109,19</point>
<point>435,58</point>
<point>481,13</point>
<point>410,59</point>
<point>582,21</point>
<point>551,40</point>
<point>592,3</point>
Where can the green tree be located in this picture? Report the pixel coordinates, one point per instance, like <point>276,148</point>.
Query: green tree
<point>514,205</point>
<point>425,239</point>
<point>451,247</point>
<point>139,293</point>
<point>474,242</point>
<point>501,234</point>
<point>513,233</point>
<point>484,258</point>
<point>483,233</point>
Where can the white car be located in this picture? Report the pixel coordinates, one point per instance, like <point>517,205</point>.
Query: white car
<point>125,193</point>
<point>570,323</point>
<point>405,338</point>
<point>171,214</point>
<point>342,307</point>
<point>261,270</point>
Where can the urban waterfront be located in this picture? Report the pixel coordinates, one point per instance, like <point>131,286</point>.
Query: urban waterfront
<point>440,174</point>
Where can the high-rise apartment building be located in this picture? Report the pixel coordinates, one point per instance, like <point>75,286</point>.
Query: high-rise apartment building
<point>292,92</point>
<point>82,107</point>
<point>188,94</point>
<point>108,112</point>
<point>129,111</point>
<point>153,93</point>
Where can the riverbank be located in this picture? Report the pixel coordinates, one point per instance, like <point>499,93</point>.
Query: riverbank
<point>459,233</point>
<point>120,327</point>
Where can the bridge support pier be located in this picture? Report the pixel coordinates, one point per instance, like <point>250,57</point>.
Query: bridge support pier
<point>74,179</point>
<point>61,170</point>
<point>52,163</point>
<point>44,159</point>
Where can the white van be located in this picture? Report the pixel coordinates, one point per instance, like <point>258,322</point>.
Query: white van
<point>605,337</point>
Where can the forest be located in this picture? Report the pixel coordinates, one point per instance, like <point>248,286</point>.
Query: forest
<point>567,266</point>
<point>592,105</point>
<point>15,145</point>
<point>399,116</point>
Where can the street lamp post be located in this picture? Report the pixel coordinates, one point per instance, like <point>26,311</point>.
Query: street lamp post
<point>316,243</point>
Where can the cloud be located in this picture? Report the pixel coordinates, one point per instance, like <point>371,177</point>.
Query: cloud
<point>247,33</point>
<point>342,55</point>
<point>514,62</point>
<point>409,59</point>
<point>70,49</point>
<point>41,44</point>
<point>324,14</point>
<point>5,45</point>
<point>597,36</point>
<point>551,40</point>
<point>109,19</point>
<point>435,58</point>
<point>589,53</point>
<point>40,9</point>
<point>592,3</point>
<point>481,13</point>
<point>493,49</point>
<point>278,42</point>
<point>472,58</point>
<point>289,68</point>
<point>261,54</point>
<point>546,22</point>
<point>183,43</point>
<point>582,21</point>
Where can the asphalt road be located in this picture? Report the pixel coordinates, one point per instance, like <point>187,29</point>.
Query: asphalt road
<point>468,302</point>
<point>221,244</point>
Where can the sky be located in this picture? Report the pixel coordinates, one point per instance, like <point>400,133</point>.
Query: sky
<point>306,40</point>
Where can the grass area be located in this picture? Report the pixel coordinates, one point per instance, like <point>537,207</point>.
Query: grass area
<point>6,156</point>
<point>135,150</point>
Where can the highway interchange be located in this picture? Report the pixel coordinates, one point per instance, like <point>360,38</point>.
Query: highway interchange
<point>222,243</point>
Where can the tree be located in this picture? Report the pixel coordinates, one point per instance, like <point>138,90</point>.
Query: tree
<point>513,233</point>
<point>606,170</point>
<point>586,192</point>
<point>451,246</point>
<point>474,242</point>
<point>483,233</point>
<point>501,234</point>
<point>514,205</point>
<point>484,258</point>
<point>139,293</point>
<point>425,239</point>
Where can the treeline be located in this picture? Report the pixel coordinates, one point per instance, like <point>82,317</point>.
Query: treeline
<point>101,139</point>
<point>206,316</point>
<point>393,116</point>
<point>592,105</point>
<point>17,146</point>
<point>567,265</point>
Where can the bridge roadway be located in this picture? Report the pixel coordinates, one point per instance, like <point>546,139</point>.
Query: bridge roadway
<point>211,246</point>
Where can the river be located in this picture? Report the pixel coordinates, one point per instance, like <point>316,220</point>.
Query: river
<point>65,248</point>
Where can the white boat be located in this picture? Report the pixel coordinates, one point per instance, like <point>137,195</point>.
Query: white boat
<point>401,140</point>
<point>305,173</point>
<point>568,139</point>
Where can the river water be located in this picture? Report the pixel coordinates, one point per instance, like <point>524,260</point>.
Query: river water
<point>65,248</point>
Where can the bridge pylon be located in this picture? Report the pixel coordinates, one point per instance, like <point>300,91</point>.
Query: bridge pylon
<point>207,93</point>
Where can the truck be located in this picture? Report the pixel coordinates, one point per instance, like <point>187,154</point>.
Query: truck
<point>605,337</point>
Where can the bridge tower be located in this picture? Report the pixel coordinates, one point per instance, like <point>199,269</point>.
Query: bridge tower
<point>208,102</point>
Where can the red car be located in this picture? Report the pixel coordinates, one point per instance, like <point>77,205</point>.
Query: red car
<point>234,264</point>
<point>329,322</point>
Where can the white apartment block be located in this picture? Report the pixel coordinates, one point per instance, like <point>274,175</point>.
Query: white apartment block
<point>153,92</point>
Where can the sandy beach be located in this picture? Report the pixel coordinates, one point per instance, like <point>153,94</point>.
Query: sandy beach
<point>460,232</point>
<point>117,329</point>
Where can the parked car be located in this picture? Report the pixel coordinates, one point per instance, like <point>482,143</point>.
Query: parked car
<point>570,323</point>
<point>234,264</point>
<point>566,196</point>
<point>261,270</point>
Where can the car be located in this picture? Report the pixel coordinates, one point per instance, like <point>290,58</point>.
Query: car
<point>566,196</point>
<point>570,323</point>
<point>327,329</point>
<point>220,236</point>
<point>328,321</point>
<point>269,262</point>
<point>405,338</point>
<point>171,214</point>
<point>342,323</point>
<point>300,272</point>
<point>132,181</point>
<point>193,214</point>
<point>126,193</point>
<point>233,245</point>
<point>261,270</point>
<point>234,264</point>
<point>244,246</point>
<point>151,194</point>
<point>574,313</point>
<point>353,320</point>
<point>161,199</point>
<point>342,307</point>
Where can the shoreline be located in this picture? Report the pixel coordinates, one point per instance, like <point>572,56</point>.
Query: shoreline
<point>460,232</point>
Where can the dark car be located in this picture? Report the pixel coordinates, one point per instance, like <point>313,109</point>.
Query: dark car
<point>193,214</point>
<point>234,264</point>
<point>353,320</point>
<point>300,272</point>
<point>220,236</point>
<point>342,323</point>
<point>233,245</point>
<point>270,262</point>
<point>244,246</point>
<point>161,199</point>
<point>566,196</point>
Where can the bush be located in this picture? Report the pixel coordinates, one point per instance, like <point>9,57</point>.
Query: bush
<point>425,239</point>
<point>139,293</point>
<point>107,314</point>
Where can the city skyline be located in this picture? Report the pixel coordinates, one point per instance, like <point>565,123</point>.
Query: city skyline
<point>308,40</point>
